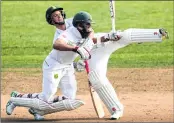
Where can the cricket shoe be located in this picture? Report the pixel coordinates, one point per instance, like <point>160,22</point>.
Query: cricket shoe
<point>10,106</point>
<point>116,115</point>
<point>35,114</point>
<point>164,33</point>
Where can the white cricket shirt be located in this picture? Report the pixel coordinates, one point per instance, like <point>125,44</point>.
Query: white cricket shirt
<point>68,23</point>
<point>72,37</point>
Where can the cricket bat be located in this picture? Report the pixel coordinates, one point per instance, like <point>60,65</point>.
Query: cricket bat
<point>112,13</point>
<point>95,98</point>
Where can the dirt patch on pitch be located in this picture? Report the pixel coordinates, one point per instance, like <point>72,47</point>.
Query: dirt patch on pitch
<point>147,95</point>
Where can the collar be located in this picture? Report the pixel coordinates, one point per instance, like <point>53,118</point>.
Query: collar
<point>67,26</point>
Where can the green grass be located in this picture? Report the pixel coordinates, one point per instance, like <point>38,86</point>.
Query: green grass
<point>27,38</point>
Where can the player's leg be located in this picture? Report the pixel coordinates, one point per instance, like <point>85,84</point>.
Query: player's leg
<point>61,105</point>
<point>107,94</point>
<point>97,76</point>
<point>47,94</point>
<point>134,35</point>
<point>51,79</point>
<point>46,104</point>
<point>44,108</point>
<point>68,84</point>
<point>10,106</point>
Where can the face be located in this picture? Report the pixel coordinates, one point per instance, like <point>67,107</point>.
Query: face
<point>87,27</point>
<point>57,17</point>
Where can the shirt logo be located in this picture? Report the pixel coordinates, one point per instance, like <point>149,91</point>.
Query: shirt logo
<point>56,76</point>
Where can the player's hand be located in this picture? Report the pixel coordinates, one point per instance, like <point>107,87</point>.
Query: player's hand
<point>83,52</point>
<point>79,65</point>
<point>112,36</point>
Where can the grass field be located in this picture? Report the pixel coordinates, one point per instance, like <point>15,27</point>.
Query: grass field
<point>26,38</point>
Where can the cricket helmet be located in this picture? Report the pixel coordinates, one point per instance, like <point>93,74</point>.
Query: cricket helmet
<point>52,9</point>
<point>82,21</point>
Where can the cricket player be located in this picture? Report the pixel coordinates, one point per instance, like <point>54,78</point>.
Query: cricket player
<point>99,60</point>
<point>76,40</point>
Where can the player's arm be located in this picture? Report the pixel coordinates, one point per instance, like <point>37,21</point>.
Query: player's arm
<point>60,44</point>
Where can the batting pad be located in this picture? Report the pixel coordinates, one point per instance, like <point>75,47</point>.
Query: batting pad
<point>106,93</point>
<point>69,104</point>
<point>35,103</point>
<point>141,35</point>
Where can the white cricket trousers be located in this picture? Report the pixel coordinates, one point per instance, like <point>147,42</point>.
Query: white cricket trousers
<point>100,55</point>
<point>57,75</point>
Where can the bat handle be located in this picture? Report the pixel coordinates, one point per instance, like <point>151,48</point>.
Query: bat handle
<point>87,69</point>
<point>113,30</point>
<point>86,66</point>
<point>113,25</point>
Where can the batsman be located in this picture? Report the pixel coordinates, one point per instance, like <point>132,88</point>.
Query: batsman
<point>100,56</point>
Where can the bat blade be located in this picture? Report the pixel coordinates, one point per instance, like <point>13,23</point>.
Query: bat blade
<point>97,103</point>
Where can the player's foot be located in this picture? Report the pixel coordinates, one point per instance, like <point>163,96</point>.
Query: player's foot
<point>164,33</point>
<point>10,106</point>
<point>36,116</point>
<point>117,115</point>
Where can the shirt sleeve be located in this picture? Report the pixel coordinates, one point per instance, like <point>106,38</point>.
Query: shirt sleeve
<point>55,36</point>
<point>64,36</point>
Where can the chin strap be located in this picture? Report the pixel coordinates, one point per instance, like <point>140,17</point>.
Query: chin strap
<point>60,23</point>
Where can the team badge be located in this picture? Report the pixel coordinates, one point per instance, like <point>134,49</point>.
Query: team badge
<point>56,76</point>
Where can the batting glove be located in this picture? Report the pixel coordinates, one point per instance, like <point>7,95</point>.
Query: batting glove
<point>112,36</point>
<point>83,52</point>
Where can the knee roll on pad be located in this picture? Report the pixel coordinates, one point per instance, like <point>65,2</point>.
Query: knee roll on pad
<point>95,80</point>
